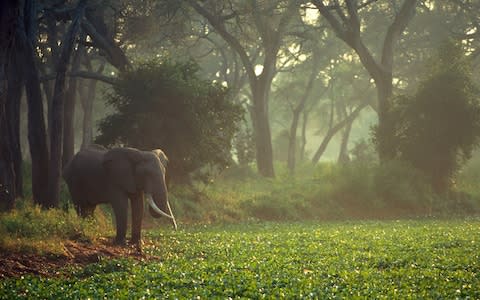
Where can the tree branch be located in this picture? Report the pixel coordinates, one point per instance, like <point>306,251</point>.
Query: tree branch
<point>230,39</point>
<point>83,74</point>
<point>398,25</point>
<point>115,55</point>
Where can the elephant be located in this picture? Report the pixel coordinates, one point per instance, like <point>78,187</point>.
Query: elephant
<point>97,175</point>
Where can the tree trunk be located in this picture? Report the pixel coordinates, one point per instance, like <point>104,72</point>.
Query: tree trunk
<point>7,173</point>
<point>37,136</point>
<point>69,109</point>
<point>56,132</point>
<point>87,106</point>
<point>14,96</point>
<point>87,98</point>
<point>343,156</point>
<point>384,128</point>
<point>303,145</point>
<point>292,142</point>
<point>334,129</point>
<point>292,137</point>
<point>9,18</point>
<point>51,61</point>
<point>262,134</point>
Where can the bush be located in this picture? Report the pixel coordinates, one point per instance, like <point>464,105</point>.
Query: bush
<point>327,191</point>
<point>353,187</point>
<point>437,128</point>
<point>403,189</point>
<point>166,105</point>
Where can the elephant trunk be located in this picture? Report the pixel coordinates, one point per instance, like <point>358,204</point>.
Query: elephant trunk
<point>155,211</point>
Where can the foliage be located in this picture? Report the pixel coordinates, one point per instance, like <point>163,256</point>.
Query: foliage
<point>281,145</point>
<point>437,128</point>
<point>166,105</point>
<point>369,260</point>
<point>358,190</point>
<point>363,150</point>
<point>30,229</point>
<point>244,146</point>
<point>403,188</point>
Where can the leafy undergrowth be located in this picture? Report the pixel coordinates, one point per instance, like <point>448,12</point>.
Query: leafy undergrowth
<point>326,192</point>
<point>395,259</point>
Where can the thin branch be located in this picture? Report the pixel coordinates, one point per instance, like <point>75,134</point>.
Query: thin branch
<point>83,74</point>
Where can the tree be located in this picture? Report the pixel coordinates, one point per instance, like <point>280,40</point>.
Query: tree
<point>296,112</point>
<point>270,21</point>
<point>166,105</point>
<point>346,23</point>
<point>9,12</point>
<point>26,45</point>
<point>437,128</point>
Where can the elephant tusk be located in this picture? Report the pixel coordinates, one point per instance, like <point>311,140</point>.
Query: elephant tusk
<point>173,217</point>
<point>155,207</point>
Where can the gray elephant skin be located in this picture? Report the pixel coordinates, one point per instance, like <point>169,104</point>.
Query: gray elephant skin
<point>97,175</point>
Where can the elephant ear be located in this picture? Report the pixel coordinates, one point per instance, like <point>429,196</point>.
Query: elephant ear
<point>161,155</point>
<point>120,166</point>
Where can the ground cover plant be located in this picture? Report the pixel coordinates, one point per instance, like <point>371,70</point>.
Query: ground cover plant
<point>391,259</point>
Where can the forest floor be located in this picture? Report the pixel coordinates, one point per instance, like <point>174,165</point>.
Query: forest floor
<point>76,254</point>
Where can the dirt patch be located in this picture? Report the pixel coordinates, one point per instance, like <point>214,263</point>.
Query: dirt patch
<point>76,254</point>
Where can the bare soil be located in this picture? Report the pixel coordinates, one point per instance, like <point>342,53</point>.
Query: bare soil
<point>76,254</point>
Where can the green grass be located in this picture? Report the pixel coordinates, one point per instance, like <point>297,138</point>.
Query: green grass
<point>28,229</point>
<point>395,259</point>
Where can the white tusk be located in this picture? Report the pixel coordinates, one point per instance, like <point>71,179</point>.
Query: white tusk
<point>171,213</point>
<point>156,209</point>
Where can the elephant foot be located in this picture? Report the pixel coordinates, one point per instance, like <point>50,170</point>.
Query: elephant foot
<point>119,242</point>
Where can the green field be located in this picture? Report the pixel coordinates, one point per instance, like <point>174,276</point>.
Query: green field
<point>394,259</point>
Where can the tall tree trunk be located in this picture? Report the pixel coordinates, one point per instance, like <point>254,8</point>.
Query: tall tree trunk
<point>262,134</point>
<point>292,142</point>
<point>56,132</point>
<point>9,19</point>
<point>384,128</point>
<point>14,96</point>
<point>303,143</point>
<point>87,106</point>
<point>69,109</point>
<point>7,173</point>
<point>87,96</point>
<point>52,29</point>
<point>343,156</point>
<point>37,136</point>
<point>292,137</point>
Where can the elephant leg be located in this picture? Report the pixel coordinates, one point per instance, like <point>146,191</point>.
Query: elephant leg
<point>136,203</point>
<point>120,209</point>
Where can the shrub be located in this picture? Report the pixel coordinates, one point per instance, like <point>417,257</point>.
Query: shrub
<point>402,189</point>
<point>166,105</point>
<point>437,128</point>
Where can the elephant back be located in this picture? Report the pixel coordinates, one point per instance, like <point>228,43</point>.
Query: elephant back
<point>86,167</point>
